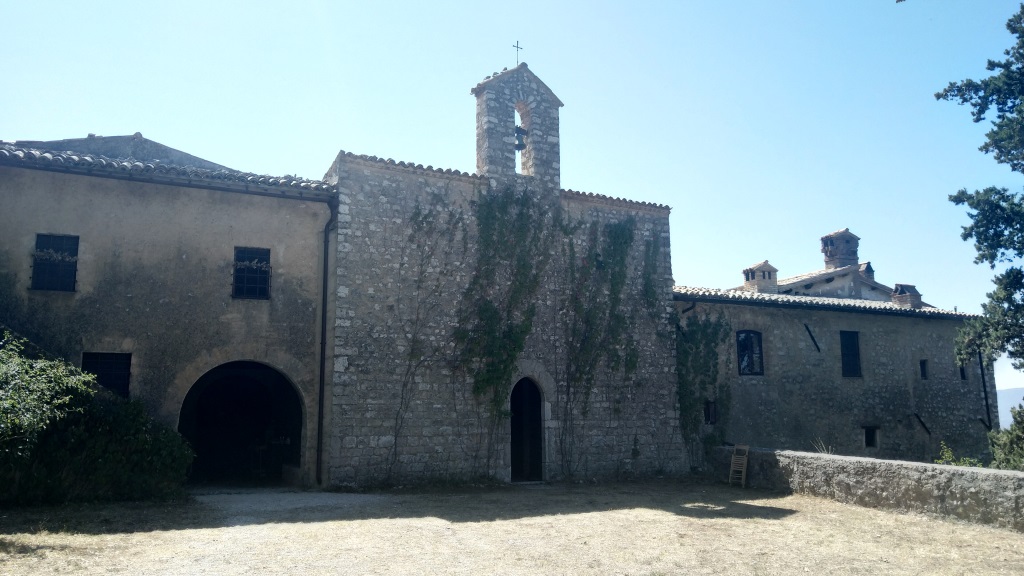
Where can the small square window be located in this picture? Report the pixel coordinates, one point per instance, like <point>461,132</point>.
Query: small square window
<point>251,274</point>
<point>55,263</point>
<point>871,436</point>
<point>112,370</point>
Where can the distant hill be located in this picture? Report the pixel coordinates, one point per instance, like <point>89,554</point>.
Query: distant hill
<point>1012,397</point>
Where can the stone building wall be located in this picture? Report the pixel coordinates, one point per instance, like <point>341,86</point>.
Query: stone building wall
<point>411,251</point>
<point>803,401</point>
<point>154,279</point>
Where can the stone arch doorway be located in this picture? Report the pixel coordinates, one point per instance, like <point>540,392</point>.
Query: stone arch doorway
<point>244,422</point>
<point>527,450</point>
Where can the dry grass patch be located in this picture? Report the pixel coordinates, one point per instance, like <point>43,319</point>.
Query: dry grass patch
<point>628,528</point>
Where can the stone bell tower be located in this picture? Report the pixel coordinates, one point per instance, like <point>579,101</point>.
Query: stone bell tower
<point>500,137</point>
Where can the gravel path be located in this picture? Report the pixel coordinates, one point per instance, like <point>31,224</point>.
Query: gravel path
<point>631,528</point>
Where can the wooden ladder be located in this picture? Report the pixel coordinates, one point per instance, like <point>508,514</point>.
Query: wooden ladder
<point>738,469</point>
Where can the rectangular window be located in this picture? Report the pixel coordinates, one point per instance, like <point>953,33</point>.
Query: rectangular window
<point>252,274</point>
<point>710,412</point>
<point>923,364</point>
<point>963,373</point>
<point>748,353</point>
<point>849,344</point>
<point>55,262</point>
<point>112,370</point>
<point>871,436</point>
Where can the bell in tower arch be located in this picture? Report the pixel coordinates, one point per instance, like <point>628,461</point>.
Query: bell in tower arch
<point>520,139</point>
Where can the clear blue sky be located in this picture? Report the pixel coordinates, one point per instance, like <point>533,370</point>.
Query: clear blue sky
<point>763,124</point>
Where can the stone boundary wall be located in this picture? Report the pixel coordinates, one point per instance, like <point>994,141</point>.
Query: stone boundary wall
<point>979,495</point>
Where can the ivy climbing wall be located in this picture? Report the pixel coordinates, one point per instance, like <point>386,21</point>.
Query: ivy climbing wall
<point>451,288</point>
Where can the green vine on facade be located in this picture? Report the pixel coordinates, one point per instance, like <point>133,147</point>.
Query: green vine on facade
<point>596,324</point>
<point>516,233</point>
<point>697,343</point>
<point>649,289</point>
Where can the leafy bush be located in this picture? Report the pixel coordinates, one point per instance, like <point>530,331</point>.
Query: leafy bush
<point>946,457</point>
<point>34,394</point>
<point>62,440</point>
<point>1008,444</point>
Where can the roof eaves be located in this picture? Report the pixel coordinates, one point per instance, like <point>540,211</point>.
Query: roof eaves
<point>740,297</point>
<point>610,200</point>
<point>156,172</point>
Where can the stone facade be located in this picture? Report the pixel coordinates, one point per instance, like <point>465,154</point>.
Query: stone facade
<point>409,324</point>
<point>411,248</point>
<point>153,278</point>
<point>907,395</point>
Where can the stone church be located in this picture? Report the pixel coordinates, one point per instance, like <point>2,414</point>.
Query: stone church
<point>400,323</point>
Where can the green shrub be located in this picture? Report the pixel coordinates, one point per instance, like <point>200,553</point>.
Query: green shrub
<point>61,440</point>
<point>35,393</point>
<point>1008,444</point>
<point>946,457</point>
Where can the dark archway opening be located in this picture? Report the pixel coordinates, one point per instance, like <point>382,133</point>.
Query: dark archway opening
<point>527,432</point>
<point>244,422</point>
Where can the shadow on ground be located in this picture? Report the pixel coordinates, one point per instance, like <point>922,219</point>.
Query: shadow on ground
<point>215,508</point>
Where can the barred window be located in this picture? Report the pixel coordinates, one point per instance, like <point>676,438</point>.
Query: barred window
<point>112,370</point>
<point>748,352</point>
<point>251,273</point>
<point>55,262</point>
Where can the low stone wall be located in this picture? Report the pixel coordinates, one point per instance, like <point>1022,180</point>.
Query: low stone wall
<point>978,495</point>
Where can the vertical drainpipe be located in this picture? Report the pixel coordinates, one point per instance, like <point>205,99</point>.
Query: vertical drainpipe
<point>328,228</point>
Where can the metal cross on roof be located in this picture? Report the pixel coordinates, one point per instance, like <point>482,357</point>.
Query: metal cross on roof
<point>518,48</point>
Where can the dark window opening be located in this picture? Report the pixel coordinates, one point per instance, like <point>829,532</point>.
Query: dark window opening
<point>871,436</point>
<point>963,373</point>
<point>710,412</point>
<point>112,370</point>
<point>527,427</point>
<point>748,352</point>
<point>252,274</point>
<point>55,263</point>
<point>849,344</point>
<point>923,364</point>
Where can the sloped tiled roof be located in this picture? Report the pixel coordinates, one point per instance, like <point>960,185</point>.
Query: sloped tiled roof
<point>689,293</point>
<point>135,146</point>
<point>157,172</point>
<point>818,275</point>
<point>406,165</point>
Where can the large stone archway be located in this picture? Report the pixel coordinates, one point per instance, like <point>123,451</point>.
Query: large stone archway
<point>244,420</point>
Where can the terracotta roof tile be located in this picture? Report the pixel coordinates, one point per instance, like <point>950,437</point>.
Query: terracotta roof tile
<point>613,200</point>
<point>154,171</point>
<point>689,293</point>
<point>407,165</point>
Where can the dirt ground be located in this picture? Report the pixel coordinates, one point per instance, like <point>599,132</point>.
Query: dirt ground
<point>625,528</point>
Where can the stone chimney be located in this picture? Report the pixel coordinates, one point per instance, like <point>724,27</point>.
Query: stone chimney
<point>867,271</point>
<point>840,249</point>
<point>762,277</point>
<point>906,296</point>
